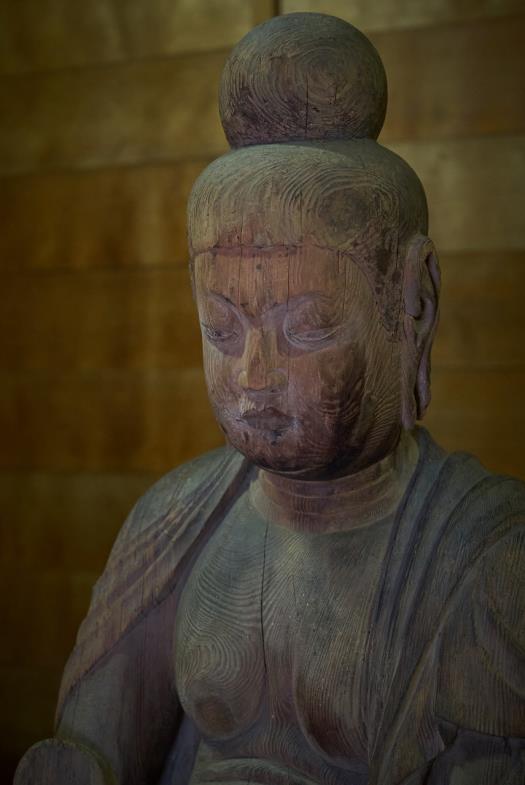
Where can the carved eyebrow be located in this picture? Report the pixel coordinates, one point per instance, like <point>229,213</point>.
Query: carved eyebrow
<point>295,300</point>
<point>219,296</point>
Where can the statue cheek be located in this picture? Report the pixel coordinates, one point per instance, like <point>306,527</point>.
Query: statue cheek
<point>343,369</point>
<point>218,366</point>
<point>217,372</point>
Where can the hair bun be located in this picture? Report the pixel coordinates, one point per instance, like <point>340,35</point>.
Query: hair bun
<point>302,76</point>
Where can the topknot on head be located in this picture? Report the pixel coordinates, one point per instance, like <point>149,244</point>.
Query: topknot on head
<point>300,77</point>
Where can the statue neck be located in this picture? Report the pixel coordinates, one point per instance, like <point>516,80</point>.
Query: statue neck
<point>348,502</point>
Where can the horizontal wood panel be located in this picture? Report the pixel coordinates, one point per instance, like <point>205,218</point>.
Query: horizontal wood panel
<point>47,34</point>
<point>146,319</point>
<point>164,27</point>
<point>387,15</point>
<point>55,33</point>
<point>29,696</point>
<point>140,111</point>
<point>65,522</point>
<point>133,319</point>
<point>462,80</point>
<point>106,218</point>
<point>475,190</point>
<point>104,421</point>
<point>136,216</point>
<point>443,82</point>
<point>481,412</point>
<point>44,608</point>
<point>482,316</point>
<point>132,422</point>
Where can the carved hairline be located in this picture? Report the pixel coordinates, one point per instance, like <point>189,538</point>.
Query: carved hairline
<point>357,198</point>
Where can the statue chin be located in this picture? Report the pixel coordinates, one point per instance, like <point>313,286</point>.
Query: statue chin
<point>360,628</point>
<point>276,450</point>
<point>292,451</point>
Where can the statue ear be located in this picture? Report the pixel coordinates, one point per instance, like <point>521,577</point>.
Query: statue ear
<point>421,311</point>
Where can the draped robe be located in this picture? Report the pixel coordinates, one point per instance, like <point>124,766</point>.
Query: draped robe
<point>458,533</point>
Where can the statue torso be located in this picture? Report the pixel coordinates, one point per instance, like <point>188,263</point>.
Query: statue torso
<point>271,644</point>
<point>285,646</point>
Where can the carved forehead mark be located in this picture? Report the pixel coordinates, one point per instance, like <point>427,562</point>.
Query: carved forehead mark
<point>257,279</point>
<point>263,271</point>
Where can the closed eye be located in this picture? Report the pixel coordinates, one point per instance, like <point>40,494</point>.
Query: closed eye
<point>312,322</point>
<point>217,335</point>
<point>311,336</point>
<point>219,322</point>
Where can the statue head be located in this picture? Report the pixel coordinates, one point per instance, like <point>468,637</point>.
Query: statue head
<point>316,284</point>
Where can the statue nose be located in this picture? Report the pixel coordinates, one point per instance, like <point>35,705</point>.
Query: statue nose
<point>258,366</point>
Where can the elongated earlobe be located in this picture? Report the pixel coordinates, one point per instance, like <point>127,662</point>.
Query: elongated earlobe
<point>421,313</point>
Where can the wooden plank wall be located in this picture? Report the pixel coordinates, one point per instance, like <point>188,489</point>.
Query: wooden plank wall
<point>109,113</point>
<point>456,114</point>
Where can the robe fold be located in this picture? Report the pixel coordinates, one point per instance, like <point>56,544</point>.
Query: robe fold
<point>456,522</point>
<point>167,526</point>
<point>459,534</point>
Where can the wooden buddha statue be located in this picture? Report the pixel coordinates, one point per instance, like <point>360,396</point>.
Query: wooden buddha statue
<point>331,599</point>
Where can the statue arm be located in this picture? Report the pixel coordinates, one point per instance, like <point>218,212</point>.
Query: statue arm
<point>482,674</point>
<point>118,712</point>
<point>57,761</point>
<point>119,722</point>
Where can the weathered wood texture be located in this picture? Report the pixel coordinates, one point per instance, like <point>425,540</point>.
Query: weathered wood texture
<point>453,74</point>
<point>111,217</point>
<point>131,319</point>
<point>385,15</point>
<point>475,190</point>
<point>37,504</point>
<point>121,114</point>
<point>90,256</point>
<point>105,420</point>
<point>158,110</point>
<point>53,34</point>
<point>136,216</point>
<point>109,114</point>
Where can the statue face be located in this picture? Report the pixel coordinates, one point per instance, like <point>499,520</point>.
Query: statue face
<point>300,371</point>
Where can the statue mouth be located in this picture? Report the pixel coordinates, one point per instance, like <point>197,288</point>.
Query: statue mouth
<point>268,419</point>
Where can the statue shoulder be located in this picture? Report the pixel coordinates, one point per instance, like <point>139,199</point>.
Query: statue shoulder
<point>172,519</point>
<point>484,638</point>
<point>503,571</point>
<point>464,486</point>
<point>181,491</point>
<point>478,517</point>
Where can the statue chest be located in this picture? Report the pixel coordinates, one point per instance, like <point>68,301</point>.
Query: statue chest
<point>272,632</point>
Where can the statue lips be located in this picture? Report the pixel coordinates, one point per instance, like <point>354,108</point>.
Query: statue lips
<point>269,419</point>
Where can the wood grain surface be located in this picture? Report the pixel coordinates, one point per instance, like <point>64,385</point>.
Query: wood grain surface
<point>122,114</point>
<point>137,215</point>
<point>109,114</point>
<point>446,81</point>
<point>61,519</point>
<point>114,217</point>
<point>49,34</point>
<point>119,114</point>
<point>137,319</point>
<point>386,15</point>
<point>459,415</point>
<point>65,591</point>
<point>475,190</point>
<point>105,420</point>
<point>481,323</point>
<point>28,695</point>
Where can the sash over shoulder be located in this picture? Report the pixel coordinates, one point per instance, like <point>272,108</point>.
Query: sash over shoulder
<point>455,516</point>
<point>165,529</point>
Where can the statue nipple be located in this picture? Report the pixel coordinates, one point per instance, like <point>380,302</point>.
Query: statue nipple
<point>302,77</point>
